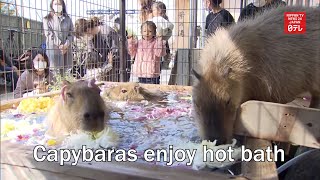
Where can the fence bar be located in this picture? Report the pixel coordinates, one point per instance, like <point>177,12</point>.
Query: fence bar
<point>123,57</point>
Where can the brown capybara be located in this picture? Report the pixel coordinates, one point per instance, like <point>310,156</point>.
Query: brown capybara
<point>255,60</point>
<point>79,107</point>
<point>131,92</point>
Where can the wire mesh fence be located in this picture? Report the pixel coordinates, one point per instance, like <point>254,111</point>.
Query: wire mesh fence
<point>146,41</point>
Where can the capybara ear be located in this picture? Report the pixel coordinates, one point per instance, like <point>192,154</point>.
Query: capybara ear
<point>226,72</point>
<point>137,88</point>
<point>196,74</point>
<point>65,83</point>
<point>92,84</point>
<point>63,92</point>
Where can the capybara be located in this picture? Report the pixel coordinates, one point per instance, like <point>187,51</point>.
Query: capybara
<point>79,107</point>
<point>131,92</point>
<point>255,60</point>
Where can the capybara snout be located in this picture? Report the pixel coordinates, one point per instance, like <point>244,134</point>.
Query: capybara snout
<point>93,120</point>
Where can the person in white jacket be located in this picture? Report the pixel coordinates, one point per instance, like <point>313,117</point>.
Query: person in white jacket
<point>164,26</point>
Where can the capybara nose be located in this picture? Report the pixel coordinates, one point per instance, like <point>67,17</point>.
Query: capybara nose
<point>93,115</point>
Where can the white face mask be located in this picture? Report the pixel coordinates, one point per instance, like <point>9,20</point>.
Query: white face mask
<point>57,8</point>
<point>259,3</point>
<point>39,65</point>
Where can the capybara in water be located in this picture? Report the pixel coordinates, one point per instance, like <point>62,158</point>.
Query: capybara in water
<point>132,92</point>
<point>79,107</point>
<point>255,60</point>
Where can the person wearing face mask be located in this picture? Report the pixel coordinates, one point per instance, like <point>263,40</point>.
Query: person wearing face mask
<point>252,9</point>
<point>58,30</point>
<point>36,74</point>
<point>257,7</point>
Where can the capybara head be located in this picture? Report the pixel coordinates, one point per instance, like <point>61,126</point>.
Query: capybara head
<point>214,108</point>
<point>84,104</point>
<point>124,92</point>
<point>217,91</point>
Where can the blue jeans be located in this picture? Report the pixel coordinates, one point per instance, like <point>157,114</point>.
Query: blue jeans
<point>149,80</point>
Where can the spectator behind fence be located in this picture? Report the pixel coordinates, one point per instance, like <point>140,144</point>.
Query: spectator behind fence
<point>36,76</point>
<point>252,9</point>
<point>274,4</point>
<point>147,52</point>
<point>102,39</point>
<point>128,59</point>
<point>218,17</point>
<point>9,72</point>
<point>257,7</point>
<point>164,26</point>
<point>145,12</point>
<point>58,30</point>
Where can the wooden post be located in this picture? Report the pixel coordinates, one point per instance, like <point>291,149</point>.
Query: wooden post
<point>259,170</point>
<point>182,38</point>
<point>182,24</point>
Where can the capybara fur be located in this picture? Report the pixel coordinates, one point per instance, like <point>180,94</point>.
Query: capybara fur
<point>131,92</point>
<point>255,60</point>
<point>79,107</point>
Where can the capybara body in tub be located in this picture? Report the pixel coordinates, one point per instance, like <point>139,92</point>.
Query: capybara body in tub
<point>132,92</point>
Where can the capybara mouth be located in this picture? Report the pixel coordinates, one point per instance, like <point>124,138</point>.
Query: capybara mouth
<point>93,128</point>
<point>96,125</point>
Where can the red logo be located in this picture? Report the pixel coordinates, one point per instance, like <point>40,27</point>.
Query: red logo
<point>295,22</point>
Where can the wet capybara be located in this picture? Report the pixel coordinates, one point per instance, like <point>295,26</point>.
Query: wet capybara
<point>79,107</point>
<point>131,92</point>
<point>255,60</point>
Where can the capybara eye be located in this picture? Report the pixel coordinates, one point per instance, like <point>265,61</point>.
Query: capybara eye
<point>69,95</point>
<point>228,102</point>
<point>123,90</point>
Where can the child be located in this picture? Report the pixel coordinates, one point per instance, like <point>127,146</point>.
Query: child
<point>164,27</point>
<point>159,17</point>
<point>147,52</point>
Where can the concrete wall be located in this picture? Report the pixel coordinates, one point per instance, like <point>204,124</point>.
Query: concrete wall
<point>31,37</point>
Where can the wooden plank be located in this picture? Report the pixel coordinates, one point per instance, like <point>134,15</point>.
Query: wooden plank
<point>17,173</point>
<point>279,122</point>
<point>15,102</point>
<point>22,156</point>
<point>259,170</point>
<point>182,24</point>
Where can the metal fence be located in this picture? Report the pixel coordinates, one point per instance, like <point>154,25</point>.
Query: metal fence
<point>26,28</point>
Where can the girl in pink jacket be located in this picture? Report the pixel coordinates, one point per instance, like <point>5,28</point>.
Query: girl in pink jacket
<point>147,52</point>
